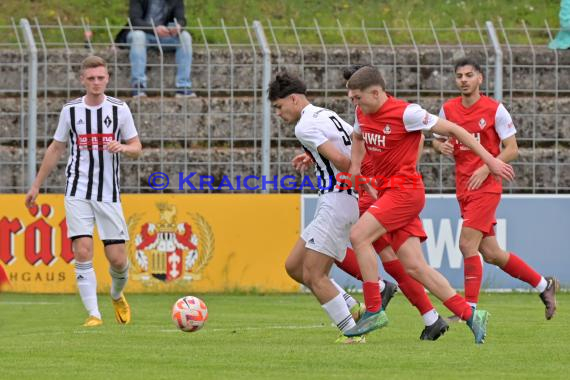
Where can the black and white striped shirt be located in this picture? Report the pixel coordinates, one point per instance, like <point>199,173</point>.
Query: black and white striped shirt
<point>92,171</point>
<point>315,127</point>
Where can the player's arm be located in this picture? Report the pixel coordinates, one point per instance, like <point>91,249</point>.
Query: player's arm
<point>51,158</point>
<point>331,153</point>
<point>509,153</point>
<point>132,147</point>
<point>496,166</point>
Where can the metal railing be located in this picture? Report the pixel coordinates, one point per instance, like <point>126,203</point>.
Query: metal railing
<point>227,129</point>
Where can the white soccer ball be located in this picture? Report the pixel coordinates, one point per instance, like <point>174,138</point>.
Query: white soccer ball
<point>189,313</point>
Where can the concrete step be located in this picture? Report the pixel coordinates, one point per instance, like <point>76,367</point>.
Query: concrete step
<point>218,71</point>
<point>238,119</point>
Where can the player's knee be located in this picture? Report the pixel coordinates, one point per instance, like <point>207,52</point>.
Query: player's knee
<point>293,270</point>
<point>466,247</point>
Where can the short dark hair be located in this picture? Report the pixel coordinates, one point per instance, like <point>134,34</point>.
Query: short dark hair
<point>467,61</point>
<point>284,85</point>
<point>365,77</point>
<point>347,72</point>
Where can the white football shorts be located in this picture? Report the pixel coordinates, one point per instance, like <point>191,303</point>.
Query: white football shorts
<point>329,232</point>
<point>82,214</point>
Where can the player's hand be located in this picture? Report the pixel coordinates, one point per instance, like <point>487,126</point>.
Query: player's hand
<point>31,197</point>
<point>446,148</point>
<point>478,177</point>
<point>162,31</point>
<point>302,162</point>
<point>501,169</point>
<point>116,147</point>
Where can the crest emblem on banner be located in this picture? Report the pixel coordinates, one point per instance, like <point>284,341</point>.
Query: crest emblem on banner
<point>169,250</point>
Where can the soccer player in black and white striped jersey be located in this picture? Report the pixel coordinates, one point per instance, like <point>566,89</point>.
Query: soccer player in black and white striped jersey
<point>95,125</point>
<point>326,138</point>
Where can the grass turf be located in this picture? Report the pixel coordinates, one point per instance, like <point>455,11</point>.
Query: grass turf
<point>273,337</point>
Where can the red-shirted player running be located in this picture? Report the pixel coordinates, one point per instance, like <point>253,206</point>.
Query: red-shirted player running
<point>479,193</point>
<point>389,130</point>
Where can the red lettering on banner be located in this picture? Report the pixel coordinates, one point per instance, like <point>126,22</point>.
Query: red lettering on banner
<point>7,230</point>
<point>66,249</point>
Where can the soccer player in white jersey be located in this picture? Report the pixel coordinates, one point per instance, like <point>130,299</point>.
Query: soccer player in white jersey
<point>95,125</point>
<point>326,138</point>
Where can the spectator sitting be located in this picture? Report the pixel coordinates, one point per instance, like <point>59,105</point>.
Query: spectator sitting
<point>168,19</point>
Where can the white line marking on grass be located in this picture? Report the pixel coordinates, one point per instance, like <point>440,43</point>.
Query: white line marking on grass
<point>236,329</point>
<point>28,303</point>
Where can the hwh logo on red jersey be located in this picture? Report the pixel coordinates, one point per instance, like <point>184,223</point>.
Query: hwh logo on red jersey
<point>374,141</point>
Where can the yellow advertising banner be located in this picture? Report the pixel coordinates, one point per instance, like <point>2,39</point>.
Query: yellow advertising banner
<point>178,243</point>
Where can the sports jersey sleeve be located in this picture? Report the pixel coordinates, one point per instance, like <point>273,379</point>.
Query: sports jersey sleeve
<point>127,124</point>
<point>356,126</point>
<point>311,136</point>
<point>504,123</point>
<point>416,118</point>
<point>441,116</point>
<point>63,126</point>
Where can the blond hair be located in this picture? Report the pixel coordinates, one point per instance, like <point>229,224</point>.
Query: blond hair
<point>91,62</point>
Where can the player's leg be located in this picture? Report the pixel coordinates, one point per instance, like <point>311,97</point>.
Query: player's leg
<point>80,219</point>
<point>294,268</point>
<point>294,262</point>
<point>316,268</point>
<point>114,233</point>
<point>119,270</point>
<point>82,246</point>
<point>350,266</point>
<point>518,268</point>
<point>469,241</point>
<point>411,256</point>
<point>367,230</point>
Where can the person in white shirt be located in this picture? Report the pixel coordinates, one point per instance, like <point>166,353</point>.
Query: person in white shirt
<point>95,125</point>
<point>326,138</point>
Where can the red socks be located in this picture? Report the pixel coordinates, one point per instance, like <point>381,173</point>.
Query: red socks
<point>473,271</point>
<point>372,296</point>
<point>459,307</point>
<point>350,264</point>
<point>517,268</point>
<point>413,290</point>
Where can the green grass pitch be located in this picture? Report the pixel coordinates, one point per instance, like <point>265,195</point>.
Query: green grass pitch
<point>273,337</point>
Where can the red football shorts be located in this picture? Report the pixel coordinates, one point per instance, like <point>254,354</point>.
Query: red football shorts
<point>398,211</point>
<point>365,200</point>
<point>478,211</point>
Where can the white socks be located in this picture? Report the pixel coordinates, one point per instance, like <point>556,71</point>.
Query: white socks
<point>87,284</point>
<point>430,317</point>
<point>338,312</point>
<point>541,287</point>
<point>118,281</point>
<point>350,301</point>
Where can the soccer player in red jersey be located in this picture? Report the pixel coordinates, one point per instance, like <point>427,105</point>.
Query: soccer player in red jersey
<point>478,193</point>
<point>389,130</point>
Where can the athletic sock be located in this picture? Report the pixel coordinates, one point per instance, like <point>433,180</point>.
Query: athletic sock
<point>350,264</point>
<point>350,301</point>
<point>372,296</point>
<point>473,275</point>
<point>338,313</point>
<point>459,307</point>
<point>87,285</point>
<point>517,268</point>
<point>118,281</point>
<point>413,290</point>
